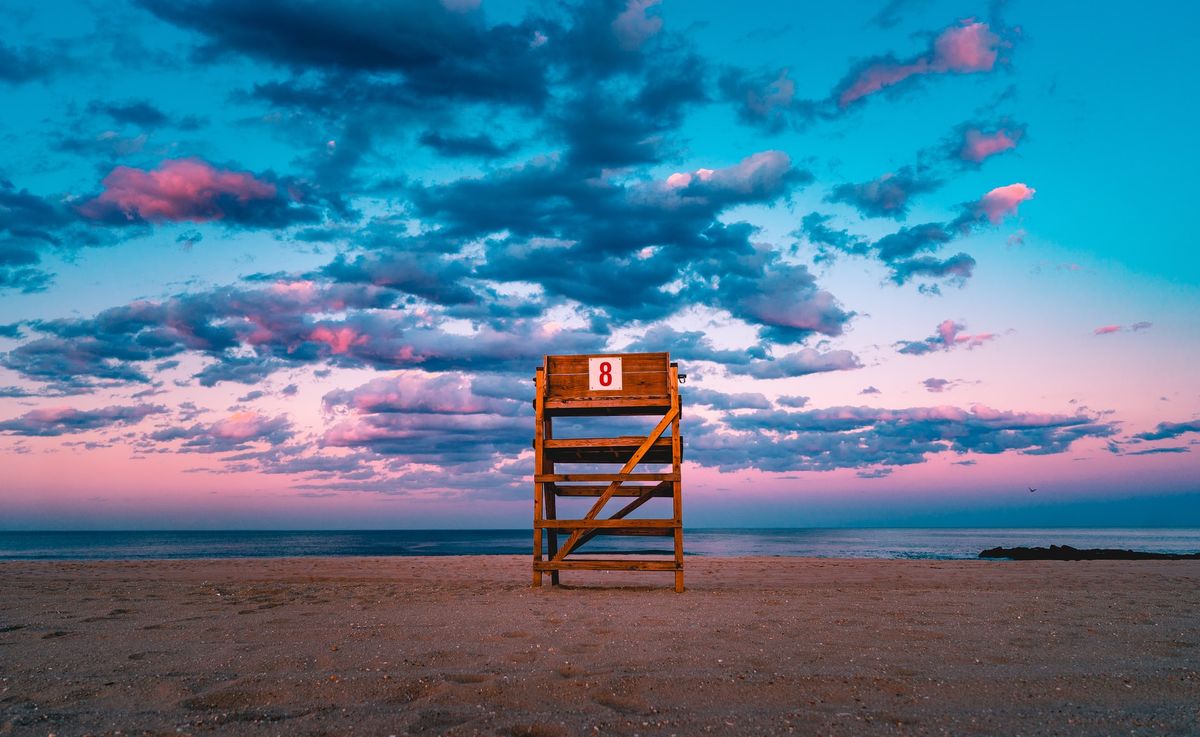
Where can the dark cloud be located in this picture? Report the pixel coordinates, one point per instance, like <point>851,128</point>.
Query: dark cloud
<point>887,196</point>
<point>1166,430</point>
<point>858,437</point>
<point>419,49</point>
<point>26,280</point>
<point>829,241</point>
<point>53,421</point>
<point>19,65</point>
<point>870,390</point>
<point>141,113</point>
<point>793,401</point>
<point>799,363</point>
<point>480,145</point>
<point>725,401</point>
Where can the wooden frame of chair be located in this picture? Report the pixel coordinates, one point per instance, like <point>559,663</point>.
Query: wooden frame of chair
<point>650,387</point>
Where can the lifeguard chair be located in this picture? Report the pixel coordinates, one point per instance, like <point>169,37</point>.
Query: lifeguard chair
<point>586,388</point>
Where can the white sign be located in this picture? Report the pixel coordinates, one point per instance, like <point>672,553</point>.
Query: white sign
<point>604,374</point>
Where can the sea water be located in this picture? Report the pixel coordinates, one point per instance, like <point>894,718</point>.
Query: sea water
<point>927,543</point>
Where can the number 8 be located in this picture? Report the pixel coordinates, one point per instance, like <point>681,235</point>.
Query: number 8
<point>605,374</point>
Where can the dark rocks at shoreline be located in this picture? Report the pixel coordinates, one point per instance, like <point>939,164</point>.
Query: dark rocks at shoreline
<point>1066,552</point>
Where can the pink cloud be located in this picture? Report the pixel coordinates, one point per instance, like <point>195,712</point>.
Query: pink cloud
<point>339,340</point>
<point>1003,201</point>
<point>1107,329</point>
<point>978,145</point>
<point>633,27</point>
<point>242,426</point>
<point>179,189</point>
<point>970,47</point>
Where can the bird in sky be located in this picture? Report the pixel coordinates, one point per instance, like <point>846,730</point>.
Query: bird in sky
<point>1031,489</point>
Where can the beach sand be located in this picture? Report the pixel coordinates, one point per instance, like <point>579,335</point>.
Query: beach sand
<point>463,646</point>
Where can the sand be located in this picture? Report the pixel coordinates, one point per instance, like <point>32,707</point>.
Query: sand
<point>462,646</point>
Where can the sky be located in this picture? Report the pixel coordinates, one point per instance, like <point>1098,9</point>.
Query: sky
<point>292,265</point>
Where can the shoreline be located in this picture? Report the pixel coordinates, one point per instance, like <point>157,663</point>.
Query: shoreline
<point>461,645</point>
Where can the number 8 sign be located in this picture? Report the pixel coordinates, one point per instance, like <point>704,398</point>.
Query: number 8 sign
<point>604,374</point>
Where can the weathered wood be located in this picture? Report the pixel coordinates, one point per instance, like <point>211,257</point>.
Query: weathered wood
<point>538,462</point>
<point>578,524</point>
<point>604,564</point>
<point>556,477</point>
<point>636,458</point>
<point>648,386</point>
<point>623,491</point>
<point>606,450</point>
<point>607,407</point>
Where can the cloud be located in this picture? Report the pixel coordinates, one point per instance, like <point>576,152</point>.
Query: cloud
<point>429,419</point>
<point>633,27</point>
<point>799,363</point>
<point>886,196</point>
<point>976,143</point>
<point>1003,201</point>
<point>195,191</point>
<point>937,386</point>
<point>860,437</point>
<point>726,401</point>
<point>236,432</point>
<point>963,49</point>
<point>415,52</point>
<point>949,335</point>
<point>19,65</point>
<point>480,145</point>
<point>141,113</point>
<point>54,421</point>
<point>1166,430</point>
<point>1134,328</point>
<point>870,390</point>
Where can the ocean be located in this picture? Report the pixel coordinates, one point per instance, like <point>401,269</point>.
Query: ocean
<point>935,544</point>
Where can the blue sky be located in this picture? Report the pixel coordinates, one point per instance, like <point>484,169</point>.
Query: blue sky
<point>279,264</point>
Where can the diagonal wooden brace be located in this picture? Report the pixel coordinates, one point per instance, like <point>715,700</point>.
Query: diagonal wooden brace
<point>645,496</point>
<point>635,459</point>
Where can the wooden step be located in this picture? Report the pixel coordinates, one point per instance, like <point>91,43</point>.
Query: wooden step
<point>605,450</point>
<point>542,478</point>
<point>597,564</point>
<point>584,524</point>
<point>622,491</point>
<point>606,407</point>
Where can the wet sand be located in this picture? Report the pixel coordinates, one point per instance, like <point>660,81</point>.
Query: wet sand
<point>462,646</point>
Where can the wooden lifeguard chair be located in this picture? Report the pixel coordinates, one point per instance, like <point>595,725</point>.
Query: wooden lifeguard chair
<point>604,386</point>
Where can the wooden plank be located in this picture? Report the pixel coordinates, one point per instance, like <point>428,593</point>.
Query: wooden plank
<point>643,374</point>
<point>615,476</point>
<point>607,408</point>
<point>623,491</point>
<point>583,524</point>
<point>606,450</point>
<point>676,486</point>
<point>539,386</point>
<point>633,531</point>
<point>580,564</point>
